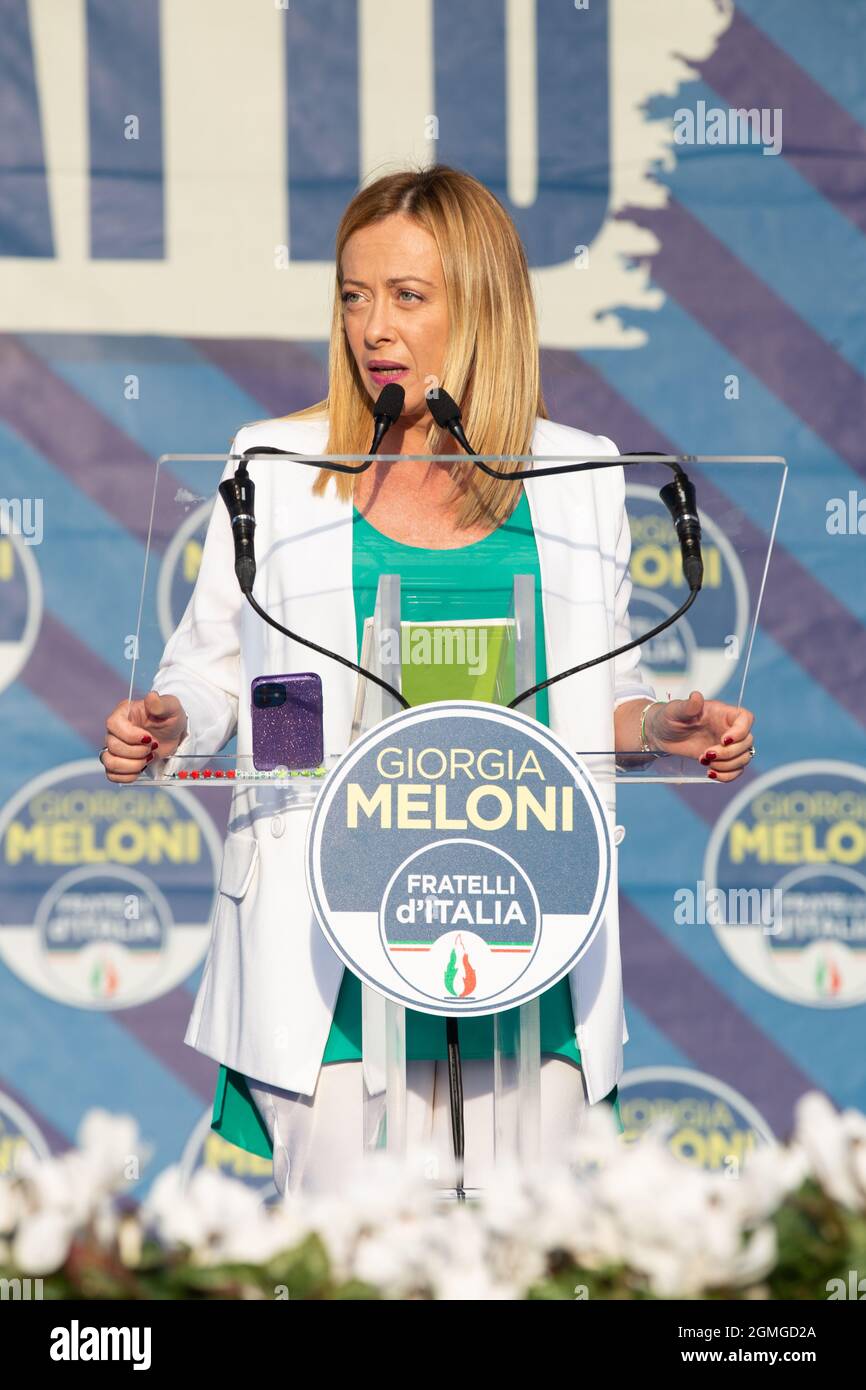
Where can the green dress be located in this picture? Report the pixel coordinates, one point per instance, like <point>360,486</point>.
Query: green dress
<point>464,582</point>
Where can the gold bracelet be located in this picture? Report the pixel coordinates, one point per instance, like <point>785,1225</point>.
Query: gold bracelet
<point>644,741</point>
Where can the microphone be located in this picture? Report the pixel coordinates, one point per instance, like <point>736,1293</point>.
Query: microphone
<point>387,410</point>
<point>239,495</point>
<point>679,497</point>
<point>446,413</point>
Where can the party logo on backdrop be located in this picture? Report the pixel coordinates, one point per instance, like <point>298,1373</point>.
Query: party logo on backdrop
<point>696,653</point>
<point>106,889</point>
<point>800,831</point>
<point>712,1126</point>
<point>20,604</point>
<point>18,1135</point>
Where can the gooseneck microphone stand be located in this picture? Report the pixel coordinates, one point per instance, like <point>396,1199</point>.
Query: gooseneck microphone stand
<point>238,493</point>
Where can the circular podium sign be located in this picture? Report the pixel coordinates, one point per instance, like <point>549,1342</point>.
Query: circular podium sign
<point>458,858</point>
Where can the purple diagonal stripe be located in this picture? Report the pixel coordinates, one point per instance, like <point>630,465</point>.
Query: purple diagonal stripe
<point>284,376</point>
<point>823,143</point>
<point>160,1025</point>
<point>89,690</point>
<point>759,328</point>
<point>78,440</point>
<point>578,395</point>
<point>699,1019</point>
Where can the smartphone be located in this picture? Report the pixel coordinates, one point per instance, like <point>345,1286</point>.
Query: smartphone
<point>287,721</point>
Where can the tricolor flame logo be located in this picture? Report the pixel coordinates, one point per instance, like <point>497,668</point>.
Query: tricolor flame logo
<point>828,977</point>
<point>459,973</point>
<point>104,978</point>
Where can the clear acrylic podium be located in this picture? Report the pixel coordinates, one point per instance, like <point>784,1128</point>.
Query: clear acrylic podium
<point>738,499</point>
<point>516,1044</point>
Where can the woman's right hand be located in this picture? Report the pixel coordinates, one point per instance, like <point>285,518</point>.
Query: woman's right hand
<point>136,731</point>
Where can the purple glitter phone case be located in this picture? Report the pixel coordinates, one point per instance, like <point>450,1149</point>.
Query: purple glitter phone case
<point>286,714</point>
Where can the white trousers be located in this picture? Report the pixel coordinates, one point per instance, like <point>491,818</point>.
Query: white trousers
<point>317,1140</point>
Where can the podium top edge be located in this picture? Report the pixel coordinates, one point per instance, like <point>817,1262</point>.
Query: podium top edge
<point>486,458</point>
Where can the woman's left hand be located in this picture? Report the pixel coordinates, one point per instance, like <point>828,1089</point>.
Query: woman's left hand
<point>717,734</point>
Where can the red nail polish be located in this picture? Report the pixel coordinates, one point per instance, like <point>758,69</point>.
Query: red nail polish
<point>147,739</point>
<point>712,774</point>
<point>727,740</point>
<point>148,759</point>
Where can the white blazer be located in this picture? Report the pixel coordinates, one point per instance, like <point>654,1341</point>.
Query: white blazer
<point>270,983</point>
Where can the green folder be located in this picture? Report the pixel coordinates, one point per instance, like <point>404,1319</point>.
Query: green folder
<point>451,659</point>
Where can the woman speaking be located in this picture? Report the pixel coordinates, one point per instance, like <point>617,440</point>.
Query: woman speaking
<point>432,287</point>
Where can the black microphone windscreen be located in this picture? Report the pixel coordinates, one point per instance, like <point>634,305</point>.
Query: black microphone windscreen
<point>390,401</point>
<point>442,407</point>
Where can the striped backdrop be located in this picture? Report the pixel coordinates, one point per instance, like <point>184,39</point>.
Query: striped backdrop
<point>170,180</point>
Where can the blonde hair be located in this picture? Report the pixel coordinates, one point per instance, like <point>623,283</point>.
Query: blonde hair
<point>491,365</point>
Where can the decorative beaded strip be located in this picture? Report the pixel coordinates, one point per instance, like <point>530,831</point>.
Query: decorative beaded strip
<point>232,774</point>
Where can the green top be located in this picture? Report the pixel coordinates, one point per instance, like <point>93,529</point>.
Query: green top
<point>459,583</point>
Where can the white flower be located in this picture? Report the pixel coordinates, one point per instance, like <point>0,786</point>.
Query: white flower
<point>379,1192</point>
<point>67,1183</point>
<point>394,1259</point>
<point>835,1147</point>
<point>42,1242</point>
<point>680,1229</point>
<point>473,1286</point>
<point>565,1215</point>
<point>165,1212</point>
<point>509,1204</point>
<point>382,1186</point>
<point>200,1213</point>
<point>220,1219</point>
<point>257,1241</point>
<point>105,1223</point>
<point>597,1141</point>
<point>51,1199</point>
<point>765,1180</point>
<point>858,1165</point>
<point>112,1144</point>
<point>11,1205</point>
<point>757,1259</point>
<point>458,1266</point>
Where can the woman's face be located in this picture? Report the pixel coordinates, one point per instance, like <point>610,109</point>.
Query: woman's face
<point>394,307</point>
